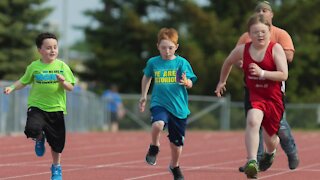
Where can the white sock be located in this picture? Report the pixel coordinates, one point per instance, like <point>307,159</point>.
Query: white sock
<point>274,151</point>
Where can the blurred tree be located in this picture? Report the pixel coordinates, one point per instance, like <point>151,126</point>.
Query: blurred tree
<point>125,37</point>
<point>120,43</point>
<point>18,28</point>
<point>303,84</point>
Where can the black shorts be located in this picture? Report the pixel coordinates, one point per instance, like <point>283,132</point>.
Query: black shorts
<point>114,117</point>
<point>51,123</point>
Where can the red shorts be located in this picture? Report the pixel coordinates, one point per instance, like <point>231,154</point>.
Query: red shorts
<point>273,112</point>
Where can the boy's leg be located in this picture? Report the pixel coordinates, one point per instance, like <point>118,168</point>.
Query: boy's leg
<point>34,129</point>
<point>175,154</point>
<point>287,143</point>
<point>159,119</point>
<point>271,125</point>
<point>157,127</point>
<point>56,157</point>
<point>268,157</point>
<point>56,134</point>
<point>261,147</point>
<point>176,129</point>
<point>153,151</point>
<point>56,170</point>
<point>254,119</point>
<point>260,150</point>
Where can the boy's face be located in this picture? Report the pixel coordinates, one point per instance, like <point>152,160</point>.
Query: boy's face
<point>259,34</point>
<point>266,13</point>
<point>49,50</point>
<point>167,49</point>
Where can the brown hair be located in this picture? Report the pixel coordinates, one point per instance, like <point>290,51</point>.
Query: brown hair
<point>263,5</point>
<point>43,36</point>
<point>255,19</point>
<point>168,34</point>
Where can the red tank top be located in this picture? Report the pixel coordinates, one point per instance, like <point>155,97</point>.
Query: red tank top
<point>259,88</point>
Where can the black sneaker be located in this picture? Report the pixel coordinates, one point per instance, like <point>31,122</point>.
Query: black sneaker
<point>293,160</point>
<point>176,172</point>
<point>241,168</point>
<point>251,169</point>
<point>266,161</point>
<point>151,156</point>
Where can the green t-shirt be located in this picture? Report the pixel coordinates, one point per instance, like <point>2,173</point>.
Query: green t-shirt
<point>46,92</point>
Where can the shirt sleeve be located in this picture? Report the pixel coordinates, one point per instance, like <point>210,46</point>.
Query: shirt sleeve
<point>244,38</point>
<point>284,39</point>
<point>189,72</point>
<point>27,78</point>
<point>148,69</point>
<point>68,75</point>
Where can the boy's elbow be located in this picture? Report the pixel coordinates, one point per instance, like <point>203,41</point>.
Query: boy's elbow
<point>70,88</point>
<point>284,77</point>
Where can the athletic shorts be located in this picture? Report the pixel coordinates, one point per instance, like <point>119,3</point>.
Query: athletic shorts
<point>114,117</point>
<point>51,123</point>
<point>176,127</point>
<point>272,115</point>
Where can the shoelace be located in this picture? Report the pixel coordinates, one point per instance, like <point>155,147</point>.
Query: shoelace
<point>56,171</point>
<point>39,143</point>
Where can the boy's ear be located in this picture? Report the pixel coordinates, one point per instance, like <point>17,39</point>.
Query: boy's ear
<point>177,46</point>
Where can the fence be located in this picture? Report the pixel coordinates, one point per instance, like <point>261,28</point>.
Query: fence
<point>86,112</point>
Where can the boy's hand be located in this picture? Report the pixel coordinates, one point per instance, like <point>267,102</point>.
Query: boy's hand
<point>60,78</point>
<point>184,80</point>
<point>142,103</point>
<point>220,89</point>
<point>8,90</point>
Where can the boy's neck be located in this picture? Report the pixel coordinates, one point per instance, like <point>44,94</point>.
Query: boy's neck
<point>46,61</point>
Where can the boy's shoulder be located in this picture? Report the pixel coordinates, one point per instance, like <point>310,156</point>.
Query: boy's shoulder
<point>37,61</point>
<point>154,58</point>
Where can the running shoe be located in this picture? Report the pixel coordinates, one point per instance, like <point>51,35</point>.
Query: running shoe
<point>56,172</point>
<point>40,148</point>
<point>151,156</point>
<point>266,161</point>
<point>251,169</point>
<point>176,172</point>
<point>293,160</point>
<point>241,168</point>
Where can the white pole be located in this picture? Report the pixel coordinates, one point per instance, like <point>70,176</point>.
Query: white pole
<point>65,31</point>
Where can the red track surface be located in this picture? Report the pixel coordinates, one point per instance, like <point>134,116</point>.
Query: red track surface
<point>113,156</point>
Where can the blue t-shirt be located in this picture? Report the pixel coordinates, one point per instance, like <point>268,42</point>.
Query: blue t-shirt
<point>113,100</point>
<point>167,92</point>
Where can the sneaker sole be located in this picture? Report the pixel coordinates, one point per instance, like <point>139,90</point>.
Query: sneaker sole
<point>150,163</point>
<point>40,155</point>
<point>294,165</point>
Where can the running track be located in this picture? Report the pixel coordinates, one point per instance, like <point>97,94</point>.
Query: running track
<point>120,156</point>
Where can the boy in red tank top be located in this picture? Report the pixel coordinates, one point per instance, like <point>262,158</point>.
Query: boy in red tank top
<point>264,67</point>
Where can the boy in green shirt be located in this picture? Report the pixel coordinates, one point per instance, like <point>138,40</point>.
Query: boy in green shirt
<point>49,78</point>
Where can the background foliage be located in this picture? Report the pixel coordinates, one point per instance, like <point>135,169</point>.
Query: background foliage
<point>18,28</point>
<point>124,37</point>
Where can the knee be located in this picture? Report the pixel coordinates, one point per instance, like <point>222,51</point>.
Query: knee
<point>32,132</point>
<point>177,141</point>
<point>283,133</point>
<point>158,125</point>
<point>252,124</point>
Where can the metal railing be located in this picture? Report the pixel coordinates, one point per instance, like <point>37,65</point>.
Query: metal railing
<point>87,112</point>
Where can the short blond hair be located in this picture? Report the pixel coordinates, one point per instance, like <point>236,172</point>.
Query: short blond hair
<point>168,34</point>
<point>255,19</point>
<point>263,5</point>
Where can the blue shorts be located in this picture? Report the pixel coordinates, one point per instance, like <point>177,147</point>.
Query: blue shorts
<point>176,127</point>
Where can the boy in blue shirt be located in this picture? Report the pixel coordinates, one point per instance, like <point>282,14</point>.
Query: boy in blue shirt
<point>172,75</point>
